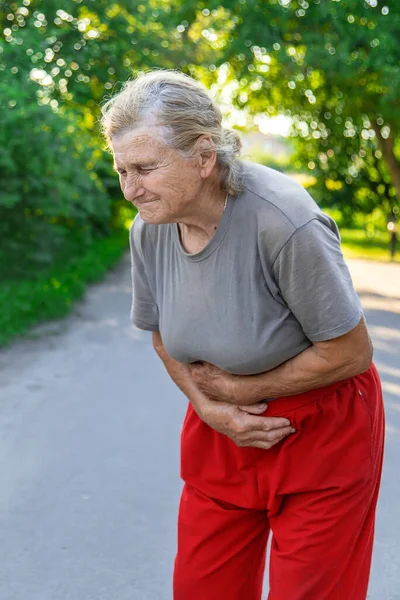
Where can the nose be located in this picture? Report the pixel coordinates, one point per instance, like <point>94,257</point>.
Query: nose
<point>132,190</point>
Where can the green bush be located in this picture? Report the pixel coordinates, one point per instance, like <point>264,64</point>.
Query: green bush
<point>51,191</point>
<point>50,294</point>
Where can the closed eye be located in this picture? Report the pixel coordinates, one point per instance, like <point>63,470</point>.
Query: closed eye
<point>140,170</point>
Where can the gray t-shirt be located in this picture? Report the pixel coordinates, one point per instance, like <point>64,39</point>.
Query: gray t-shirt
<point>271,281</point>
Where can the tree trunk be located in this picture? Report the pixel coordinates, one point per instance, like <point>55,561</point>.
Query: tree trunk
<point>386,145</point>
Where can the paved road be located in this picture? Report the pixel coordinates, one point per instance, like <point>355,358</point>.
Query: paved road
<point>89,465</point>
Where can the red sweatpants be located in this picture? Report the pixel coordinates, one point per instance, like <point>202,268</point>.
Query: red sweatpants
<point>316,491</point>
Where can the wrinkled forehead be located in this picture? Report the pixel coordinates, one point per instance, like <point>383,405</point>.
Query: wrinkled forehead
<point>134,145</point>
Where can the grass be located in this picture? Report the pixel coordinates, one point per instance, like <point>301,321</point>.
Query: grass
<point>50,294</point>
<point>357,244</point>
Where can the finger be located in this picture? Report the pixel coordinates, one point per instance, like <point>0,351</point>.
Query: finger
<point>263,443</point>
<point>269,423</point>
<point>264,423</point>
<point>259,444</point>
<point>277,434</point>
<point>254,409</point>
<point>267,436</point>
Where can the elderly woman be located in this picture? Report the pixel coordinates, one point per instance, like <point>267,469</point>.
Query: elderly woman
<point>240,277</point>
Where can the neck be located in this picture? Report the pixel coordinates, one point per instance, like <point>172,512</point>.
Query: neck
<point>206,213</point>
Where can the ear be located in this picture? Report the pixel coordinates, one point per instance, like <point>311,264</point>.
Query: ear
<point>207,156</point>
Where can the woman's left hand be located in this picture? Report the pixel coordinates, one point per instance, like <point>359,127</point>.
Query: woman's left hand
<point>214,382</point>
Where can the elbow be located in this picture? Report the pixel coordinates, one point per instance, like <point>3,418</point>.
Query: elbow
<point>350,354</point>
<point>364,351</point>
<point>363,361</point>
<point>368,356</point>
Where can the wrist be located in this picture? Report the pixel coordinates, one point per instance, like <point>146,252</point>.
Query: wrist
<point>235,388</point>
<point>200,404</point>
<point>244,389</point>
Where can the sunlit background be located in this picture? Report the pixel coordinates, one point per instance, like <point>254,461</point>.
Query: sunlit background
<point>89,422</point>
<point>312,86</point>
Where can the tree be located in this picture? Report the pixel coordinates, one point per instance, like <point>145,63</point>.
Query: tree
<point>334,67</point>
<point>331,65</point>
<point>48,187</point>
<point>78,52</point>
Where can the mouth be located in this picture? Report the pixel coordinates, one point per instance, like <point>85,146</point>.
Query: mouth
<point>139,203</point>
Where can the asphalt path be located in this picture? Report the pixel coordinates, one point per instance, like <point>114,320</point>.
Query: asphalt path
<point>89,451</point>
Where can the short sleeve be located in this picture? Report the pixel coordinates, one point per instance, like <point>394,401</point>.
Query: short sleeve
<point>315,283</point>
<point>144,311</point>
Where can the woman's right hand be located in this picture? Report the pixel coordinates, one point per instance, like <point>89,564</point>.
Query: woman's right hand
<point>245,425</point>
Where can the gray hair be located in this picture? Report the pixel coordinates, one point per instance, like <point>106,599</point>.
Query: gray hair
<point>183,109</point>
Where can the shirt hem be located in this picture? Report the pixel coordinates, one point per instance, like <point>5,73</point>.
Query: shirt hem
<point>145,326</point>
<point>342,329</point>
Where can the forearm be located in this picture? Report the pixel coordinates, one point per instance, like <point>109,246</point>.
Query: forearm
<point>306,371</point>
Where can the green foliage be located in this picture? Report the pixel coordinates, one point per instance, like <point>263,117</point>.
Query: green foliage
<point>358,243</point>
<point>333,67</point>
<point>350,176</point>
<point>50,294</point>
<point>88,48</point>
<point>49,188</point>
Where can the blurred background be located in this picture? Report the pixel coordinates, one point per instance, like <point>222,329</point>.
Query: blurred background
<point>313,87</point>
<point>89,419</point>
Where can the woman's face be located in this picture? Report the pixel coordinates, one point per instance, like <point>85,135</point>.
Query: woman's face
<point>155,178</point>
